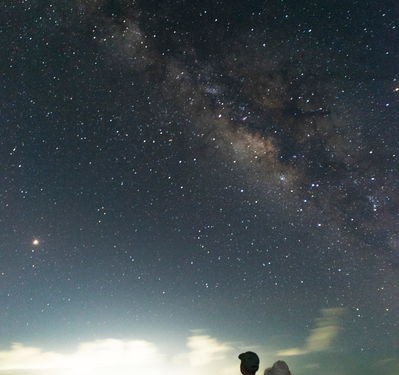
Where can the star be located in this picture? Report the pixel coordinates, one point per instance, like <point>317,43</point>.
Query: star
<point>35,242</point>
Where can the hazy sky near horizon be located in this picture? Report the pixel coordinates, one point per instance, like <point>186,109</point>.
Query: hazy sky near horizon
<point>185,180</point>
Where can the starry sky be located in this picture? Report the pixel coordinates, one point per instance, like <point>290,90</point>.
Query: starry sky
<point>185,180</point>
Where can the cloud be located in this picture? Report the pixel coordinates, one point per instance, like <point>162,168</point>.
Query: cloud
<point>322,336</point>
<point>205,349</point>
<point>19,356</point>
<point>203,353</point>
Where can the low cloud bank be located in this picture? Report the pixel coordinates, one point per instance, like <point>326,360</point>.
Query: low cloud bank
<point>102,357</point>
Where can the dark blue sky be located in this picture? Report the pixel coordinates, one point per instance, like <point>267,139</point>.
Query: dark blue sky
<point>223,166</point>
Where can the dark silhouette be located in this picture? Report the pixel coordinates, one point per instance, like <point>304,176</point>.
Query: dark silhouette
<point>249,363</point>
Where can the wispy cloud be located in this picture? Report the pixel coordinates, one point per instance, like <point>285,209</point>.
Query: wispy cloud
<point>322,336</point>
<point>121,357</point>
<point>205,349</point>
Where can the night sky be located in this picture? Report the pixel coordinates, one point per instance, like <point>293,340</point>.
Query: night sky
<point>185,180</point>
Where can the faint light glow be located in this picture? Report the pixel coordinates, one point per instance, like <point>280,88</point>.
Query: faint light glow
<point>35,242</point>
<point>201,354</point>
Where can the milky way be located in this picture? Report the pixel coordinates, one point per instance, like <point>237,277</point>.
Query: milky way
<point>286,111</point>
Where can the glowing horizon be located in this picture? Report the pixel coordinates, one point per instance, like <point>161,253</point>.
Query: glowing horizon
<point>199,354</point>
